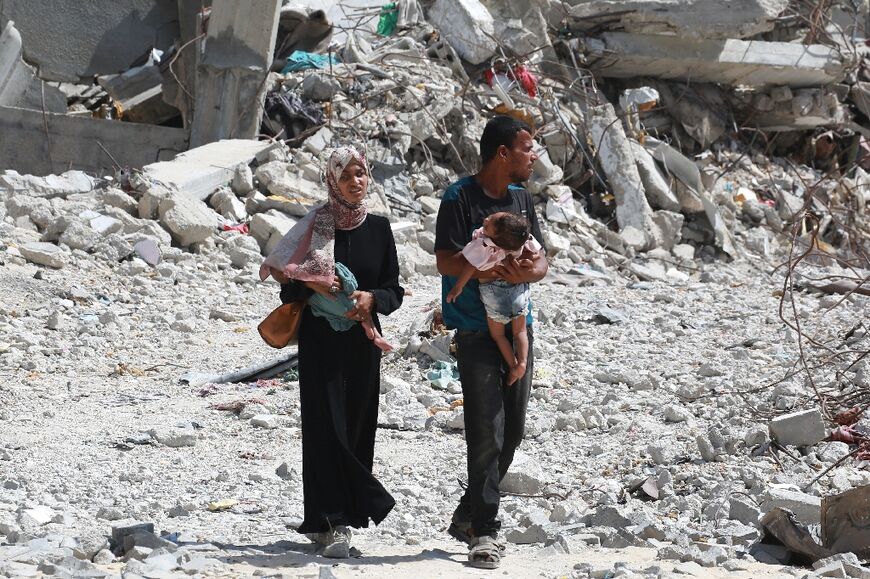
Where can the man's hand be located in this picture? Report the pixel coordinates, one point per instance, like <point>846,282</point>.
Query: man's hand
<point>530,268</point>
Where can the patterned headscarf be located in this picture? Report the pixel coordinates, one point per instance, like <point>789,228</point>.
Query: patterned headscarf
<point>307,251</point>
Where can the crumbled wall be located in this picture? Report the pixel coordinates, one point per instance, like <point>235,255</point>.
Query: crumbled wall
<point>70,39</point>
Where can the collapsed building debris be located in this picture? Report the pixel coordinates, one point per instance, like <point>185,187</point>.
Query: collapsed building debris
<point>713,162</point>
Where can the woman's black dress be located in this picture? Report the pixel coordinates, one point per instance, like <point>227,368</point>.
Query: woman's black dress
<point>339,379</point>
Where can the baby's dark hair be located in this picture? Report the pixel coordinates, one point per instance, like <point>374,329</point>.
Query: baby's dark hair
<point>511,231</point>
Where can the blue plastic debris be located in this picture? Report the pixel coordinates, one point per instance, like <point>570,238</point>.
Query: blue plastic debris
<point>301,60</point>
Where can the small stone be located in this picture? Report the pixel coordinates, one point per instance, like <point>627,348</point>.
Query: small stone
<point>42,253</point>
<point>284,472</point>
<point>266,421</point>
<point>526,476</point>
<point>709,371</point>
<point>674,413</point>
<point>243,180</point>
<point>104,557</point>
<point>173,436</point>
<point>756,435</point>
<point>148,251</point>
<point>221,314</point>
<point>527,536</point>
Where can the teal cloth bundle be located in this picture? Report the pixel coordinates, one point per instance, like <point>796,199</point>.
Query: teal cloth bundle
<point>334,310</point>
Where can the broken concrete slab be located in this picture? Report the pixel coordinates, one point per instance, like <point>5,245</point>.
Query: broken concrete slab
<point>655,185</point>
<point>805,109</point>
<point>201,171</point>
<point>731,61</point>
<point>268,228</point>
<point>48,187</point>
<point>110,35</point>
<point>81,143</point>
<point>42,253</point>
<point>803,428</point>
<point>230,85</point>
<point>690,18</point>
<point>19,86</point>
<point>139,91</point>
<point>689,174</point>
<point>806,508</point>
<point>468,27</point>
<point>614,152</point>
<point>189,220</point>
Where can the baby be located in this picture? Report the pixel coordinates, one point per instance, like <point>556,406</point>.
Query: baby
<point>502,235</point>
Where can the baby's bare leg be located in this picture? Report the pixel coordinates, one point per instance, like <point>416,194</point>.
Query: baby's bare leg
<point>521,348</point>
<point>496,331</point>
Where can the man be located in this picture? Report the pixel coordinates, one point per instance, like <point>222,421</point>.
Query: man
<point>494,413</point>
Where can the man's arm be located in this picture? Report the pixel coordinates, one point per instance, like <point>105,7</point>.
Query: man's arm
<point>530,271</point>
<point>452,263</point>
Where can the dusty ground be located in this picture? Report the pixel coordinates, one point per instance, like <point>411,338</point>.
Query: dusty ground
<point>71,397</point>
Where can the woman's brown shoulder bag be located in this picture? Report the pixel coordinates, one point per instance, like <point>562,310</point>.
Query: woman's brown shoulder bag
<point>281,327</point>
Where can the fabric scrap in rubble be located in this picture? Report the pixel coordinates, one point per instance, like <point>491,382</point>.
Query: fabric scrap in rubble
<point>300,60</point>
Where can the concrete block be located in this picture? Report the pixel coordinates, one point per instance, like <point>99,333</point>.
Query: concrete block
<point>468,27</point>
<point>126,527</point>
<point>806,508</point>
<point>119,199</point>
<point>42,253</point>
<point>106,225</point>
<point>320,87</point>
<point>188,219</point>
<point>803,428</point>
<point>525,476</point>
<point>268,228</point>
<point>243,180</point>
<point>77,235</point>
<point>201,171</point>
<point>741,509</point>
<point>228,205</point>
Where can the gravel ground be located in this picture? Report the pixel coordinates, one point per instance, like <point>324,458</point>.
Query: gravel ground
<point>91,357</point>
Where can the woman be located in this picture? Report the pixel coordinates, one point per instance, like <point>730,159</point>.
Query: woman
<point>339,371</point>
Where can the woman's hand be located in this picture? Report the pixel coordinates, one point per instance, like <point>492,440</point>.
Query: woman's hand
<point>327,290</point>
<point>365,303</point>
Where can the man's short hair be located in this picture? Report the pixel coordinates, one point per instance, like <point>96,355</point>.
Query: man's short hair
<point>512,230</point>
<point>500,130</point>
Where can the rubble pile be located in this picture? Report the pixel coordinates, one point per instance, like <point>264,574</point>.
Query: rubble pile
<point>701,341</point>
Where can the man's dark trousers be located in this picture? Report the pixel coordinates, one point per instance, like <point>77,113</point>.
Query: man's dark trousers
<point>495,420</point>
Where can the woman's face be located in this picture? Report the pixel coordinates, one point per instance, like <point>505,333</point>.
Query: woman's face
<point>353,183</point>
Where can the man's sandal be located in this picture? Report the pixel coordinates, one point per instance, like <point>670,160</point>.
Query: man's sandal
<point>485,553</point>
